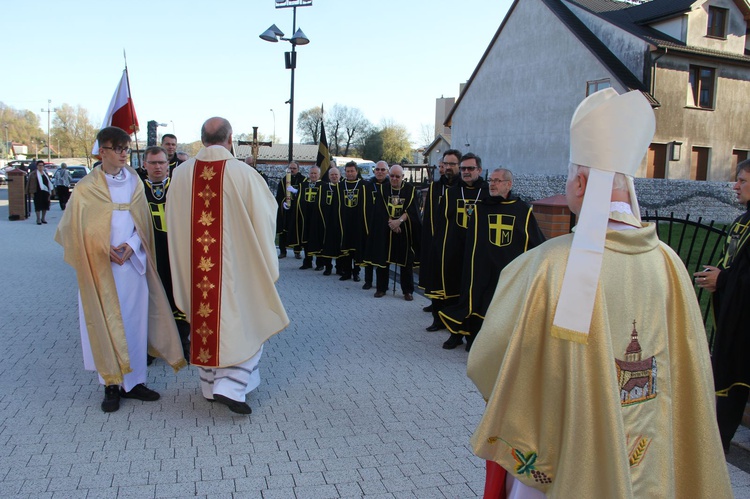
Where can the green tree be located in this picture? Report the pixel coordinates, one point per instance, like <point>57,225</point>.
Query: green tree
<point>396,144</point>
<point>73,129</point>
<point>23,127</point>
<point>372,145</point>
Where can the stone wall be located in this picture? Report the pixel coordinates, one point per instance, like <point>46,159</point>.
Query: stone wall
<point>710,200</point>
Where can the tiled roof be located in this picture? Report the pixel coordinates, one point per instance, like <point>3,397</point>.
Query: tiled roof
<point>280,152</point>
<point>634,19</point>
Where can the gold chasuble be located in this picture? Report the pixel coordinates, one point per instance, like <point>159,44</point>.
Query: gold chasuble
<point>629,414</point>
<point>84,234</point>
<point>222,226</point>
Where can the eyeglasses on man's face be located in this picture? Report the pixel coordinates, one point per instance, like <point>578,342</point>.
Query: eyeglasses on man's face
<point>449,163</point>
<point>381,169</point>
<point>117,149</point>
<point>467,168</point>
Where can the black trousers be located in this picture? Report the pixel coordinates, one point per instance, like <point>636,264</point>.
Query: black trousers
<point>63,194</point>
<point>369,271</point>
<point>729,411</point>
<point>407,278</point>
<point>282,244</point>
<point>345,265</point>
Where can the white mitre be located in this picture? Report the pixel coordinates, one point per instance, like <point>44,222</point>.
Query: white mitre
<point>609,133</point>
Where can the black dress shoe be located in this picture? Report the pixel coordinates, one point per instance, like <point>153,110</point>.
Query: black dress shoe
<point>282,255</point>
<point>435,327</point>
<point>428,308</point>
<point>297,256</point>
<point>39,223</point>
<point>305,266</point>
<point>140,392</point>
<point>356,278</point>
<point>345,278</point>
<point>367,285</point>
<point>454,341</point>
<point>319,268</point>
<point>111,398</point>
<point>379,294</point>
<point>327,272</point>
<point>44,221</point>
<point>408,297</point>
<point>234,406</point>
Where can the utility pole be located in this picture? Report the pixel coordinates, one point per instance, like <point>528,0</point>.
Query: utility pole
<point>49,144</point>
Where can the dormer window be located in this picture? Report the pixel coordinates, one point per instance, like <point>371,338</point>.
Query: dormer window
<point>717,22</point>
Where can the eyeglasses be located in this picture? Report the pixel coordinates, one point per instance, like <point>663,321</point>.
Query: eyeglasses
<point>497,180</point>
<point>118,149</point>
<point>156,162</point>
<point>381,169</point>
<point>467,168</point>
<point>449,163</point>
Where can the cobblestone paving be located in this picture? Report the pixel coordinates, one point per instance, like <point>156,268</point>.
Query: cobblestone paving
<point>356,399</point>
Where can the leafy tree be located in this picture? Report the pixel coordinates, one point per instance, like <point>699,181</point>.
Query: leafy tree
<point>23,126</point>
<point>396,143</point>
<point>73,129</point>
<point>372,145</point>
<point>308,125</point>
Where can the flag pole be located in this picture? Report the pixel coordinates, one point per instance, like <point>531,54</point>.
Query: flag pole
<point>130,105</point>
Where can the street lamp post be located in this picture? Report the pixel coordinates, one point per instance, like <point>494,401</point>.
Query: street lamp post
<point>48,111</point>
<point>7,143</point>
<point>274,34</point>
<point>274,124</point>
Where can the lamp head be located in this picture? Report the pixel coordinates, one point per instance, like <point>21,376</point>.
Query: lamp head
<point>299,38</point>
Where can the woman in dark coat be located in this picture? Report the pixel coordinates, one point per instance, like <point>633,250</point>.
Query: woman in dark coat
<point>40,187</point>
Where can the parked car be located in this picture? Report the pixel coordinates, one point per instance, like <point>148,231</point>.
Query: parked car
<point>77,172</point>
<point>3,178</point>
<point>22,164</point>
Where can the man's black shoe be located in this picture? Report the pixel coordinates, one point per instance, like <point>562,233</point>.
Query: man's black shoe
<point>379,294</point>
<point>428,308</point>
<point>297,256</point>
<point>435,327</point>
<point>234,406</point>
<point>367,285</point>
<point>282,255</point>
<point>140,392</point>
<point>356,278</point>
<point>319,268</point>
<point>327,272</point>
<point>454,341</point>
<point>111,398</point>
<point>305,266</point>
<point>345,278</point>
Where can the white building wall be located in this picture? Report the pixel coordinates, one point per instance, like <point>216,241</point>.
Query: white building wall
<point>675,27</point>
<point>630,49</point>
<point>517,111</point>
<point>736,28</point>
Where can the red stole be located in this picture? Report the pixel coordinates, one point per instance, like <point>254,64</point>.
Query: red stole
<point>206,259</point>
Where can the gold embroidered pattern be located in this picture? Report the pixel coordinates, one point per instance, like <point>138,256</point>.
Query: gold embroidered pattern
<point>204,356</point>
<point>636,376</point>
<point>208,173</point>
<point>205,264</point>
<point>205,286</point>
<point>205,310</point>
<point>206,240</point>
<point>638,451</point>
<point>207,195</point>
<point>204,332</point>
<point>206,218</point>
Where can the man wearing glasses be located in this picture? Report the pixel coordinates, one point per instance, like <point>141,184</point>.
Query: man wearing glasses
<point>156,186</point>
<point>432,247</point>
<point>502,228</point>
<point>107,237</point>
<point>457,208</point>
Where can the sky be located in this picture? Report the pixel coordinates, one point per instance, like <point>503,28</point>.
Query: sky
<point>191,60</point>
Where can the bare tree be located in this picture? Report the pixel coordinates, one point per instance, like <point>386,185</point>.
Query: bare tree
<point>355,124</point>
<point>308,124</point>
<point>427,134</point>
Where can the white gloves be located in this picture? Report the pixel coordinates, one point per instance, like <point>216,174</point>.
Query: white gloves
<point>292,189</point>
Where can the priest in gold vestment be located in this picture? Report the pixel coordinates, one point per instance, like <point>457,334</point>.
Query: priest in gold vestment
<point>593,357</point>
<point>221,221</point>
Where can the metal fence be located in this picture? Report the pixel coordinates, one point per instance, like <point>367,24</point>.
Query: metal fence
<point>698,244</point>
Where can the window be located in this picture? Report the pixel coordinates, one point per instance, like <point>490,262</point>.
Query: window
<point>717,22</point>
<point>702,84</point>
<point>596,85</point>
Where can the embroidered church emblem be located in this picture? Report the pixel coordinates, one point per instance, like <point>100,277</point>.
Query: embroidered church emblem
<point>464,209</point>
<point>636,376</point>
<point>501,229</point>
<point>395,206</point>
<point>351,197</point>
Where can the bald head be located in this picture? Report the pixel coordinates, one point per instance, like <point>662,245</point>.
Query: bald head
<point>217,131</point>
<point>397,176</point>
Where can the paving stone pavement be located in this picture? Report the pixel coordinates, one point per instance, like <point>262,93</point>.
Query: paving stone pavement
<point>356,399</point>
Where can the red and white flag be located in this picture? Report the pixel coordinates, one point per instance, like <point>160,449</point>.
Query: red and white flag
<point>121,112</point>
